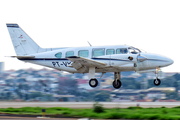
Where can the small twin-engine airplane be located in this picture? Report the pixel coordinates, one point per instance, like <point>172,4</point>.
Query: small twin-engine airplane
<point>92,59</point>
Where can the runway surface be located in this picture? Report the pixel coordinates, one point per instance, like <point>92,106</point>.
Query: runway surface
<point>87,104</point>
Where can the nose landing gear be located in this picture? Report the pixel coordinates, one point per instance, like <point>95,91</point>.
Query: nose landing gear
<point>157,81</point>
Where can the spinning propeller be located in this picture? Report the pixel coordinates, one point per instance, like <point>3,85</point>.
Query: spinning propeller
<point>140,58</point>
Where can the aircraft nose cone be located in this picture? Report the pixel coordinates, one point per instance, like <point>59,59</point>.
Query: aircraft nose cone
<point>155,60</point>
<point>168,61</point>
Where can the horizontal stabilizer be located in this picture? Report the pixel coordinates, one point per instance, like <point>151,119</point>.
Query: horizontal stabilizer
<point>22,57</point>
<point>13,25</point>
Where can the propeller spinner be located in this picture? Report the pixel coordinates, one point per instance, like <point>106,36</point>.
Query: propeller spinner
<point>140,58</point>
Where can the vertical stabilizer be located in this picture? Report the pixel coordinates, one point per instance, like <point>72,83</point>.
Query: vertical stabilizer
<point>22,43</point>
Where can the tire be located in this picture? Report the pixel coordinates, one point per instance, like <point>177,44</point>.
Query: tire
<point>118,85</point>
<point>93,82</point>
<point>157,82</point>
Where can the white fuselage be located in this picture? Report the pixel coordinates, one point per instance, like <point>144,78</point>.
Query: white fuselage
<point>115,58</point>
<point>87,59</point>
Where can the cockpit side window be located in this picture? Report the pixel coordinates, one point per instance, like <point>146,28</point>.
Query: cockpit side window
<point>121,51</point>
<point>133,50</point>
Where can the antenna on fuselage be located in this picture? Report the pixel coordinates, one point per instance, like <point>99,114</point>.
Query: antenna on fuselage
<point>89,43</point>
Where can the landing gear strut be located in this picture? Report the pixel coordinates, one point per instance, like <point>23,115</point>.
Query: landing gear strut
<point>117,83</point>
<point>93,82</point>
<point>157,81</point>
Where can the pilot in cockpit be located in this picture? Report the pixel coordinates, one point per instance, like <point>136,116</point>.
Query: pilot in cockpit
<point>133,50</point>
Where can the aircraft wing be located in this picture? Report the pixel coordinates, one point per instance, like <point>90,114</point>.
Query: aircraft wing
<point>86,62</point>
<point>81,64</point>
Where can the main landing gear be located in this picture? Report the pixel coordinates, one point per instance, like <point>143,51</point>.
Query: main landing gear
<point>117,83</point>
<point>93,82</point>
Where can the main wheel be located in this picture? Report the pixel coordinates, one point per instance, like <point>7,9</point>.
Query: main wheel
<point>157,82</point>
<point>117,84</point>
<point>93,82</point>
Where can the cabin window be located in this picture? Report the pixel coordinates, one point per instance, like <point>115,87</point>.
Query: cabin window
<point>110,51</point>
<point>58,55</point>
<point>121,51</point>
<point>98,52</point>
<point>83,53</point>
<point>69,53</point>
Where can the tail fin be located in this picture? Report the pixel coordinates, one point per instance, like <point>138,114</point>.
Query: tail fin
<point>22,43</point>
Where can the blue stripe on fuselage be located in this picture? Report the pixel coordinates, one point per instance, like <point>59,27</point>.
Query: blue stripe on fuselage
<point>91,58</point>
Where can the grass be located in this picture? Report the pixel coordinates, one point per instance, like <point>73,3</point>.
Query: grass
<point>125,113</point>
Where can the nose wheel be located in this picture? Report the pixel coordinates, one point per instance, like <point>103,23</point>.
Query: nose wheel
<point>93,82</point>
<point>157,82</point>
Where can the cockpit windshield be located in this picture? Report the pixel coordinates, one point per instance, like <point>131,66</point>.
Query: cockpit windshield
<point>133,50</point>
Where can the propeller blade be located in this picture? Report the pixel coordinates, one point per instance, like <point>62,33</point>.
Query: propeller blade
<point>140,58</point>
